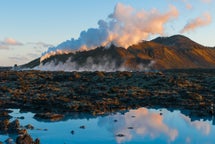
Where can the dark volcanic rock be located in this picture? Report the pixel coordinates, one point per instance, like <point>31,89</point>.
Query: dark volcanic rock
<point>4,114</point>
<point>29,126</point>
<point>49,116</point>
<point>53,94</point>
<point>26,139</point>
<point>9,127</point>
<point>4,125</point>
<point>14,126</point>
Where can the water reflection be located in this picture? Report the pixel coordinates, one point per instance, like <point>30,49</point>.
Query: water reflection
<point>138,122</point>
<point>203,127</point>
<point>136,126</point>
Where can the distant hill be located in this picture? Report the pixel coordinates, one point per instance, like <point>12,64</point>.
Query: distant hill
<point>5,68</point>
<point>175,52</point>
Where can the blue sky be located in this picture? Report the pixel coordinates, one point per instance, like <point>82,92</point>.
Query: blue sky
<point>29,27</point>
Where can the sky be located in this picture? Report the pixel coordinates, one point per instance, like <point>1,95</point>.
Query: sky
<point>28,28</point>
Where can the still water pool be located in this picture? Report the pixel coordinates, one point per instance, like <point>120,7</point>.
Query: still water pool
<point>135,126</point>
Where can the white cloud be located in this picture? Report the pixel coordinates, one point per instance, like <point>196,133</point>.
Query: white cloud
<point>40,44</point>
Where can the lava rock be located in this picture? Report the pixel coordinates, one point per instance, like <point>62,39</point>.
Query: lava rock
<point>29,126</point>
<point>24,139</point>
<point>49,116</point>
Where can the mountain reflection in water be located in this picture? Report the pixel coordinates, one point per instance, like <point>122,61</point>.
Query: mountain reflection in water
<point>135,126</point>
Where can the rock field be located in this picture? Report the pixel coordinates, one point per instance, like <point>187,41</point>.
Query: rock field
<point>101,92</point>
<point>53,95</point>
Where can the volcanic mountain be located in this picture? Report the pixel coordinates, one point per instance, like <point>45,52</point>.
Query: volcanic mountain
<point>175,52</point>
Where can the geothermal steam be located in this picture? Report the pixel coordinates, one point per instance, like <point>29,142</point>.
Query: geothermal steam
<point>124,27</point>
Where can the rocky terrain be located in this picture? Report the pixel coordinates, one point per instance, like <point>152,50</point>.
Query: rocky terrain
<point>5,68</point>
<point>102,92</point>
<point>14,128</point>
<point>54,95</point>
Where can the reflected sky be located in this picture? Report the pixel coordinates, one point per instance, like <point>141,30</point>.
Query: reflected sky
<point>138,123</point>
<point>135,126</point>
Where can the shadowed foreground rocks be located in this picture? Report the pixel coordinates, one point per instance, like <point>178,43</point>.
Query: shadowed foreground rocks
<point>51,94</point>
<point>14,128</point>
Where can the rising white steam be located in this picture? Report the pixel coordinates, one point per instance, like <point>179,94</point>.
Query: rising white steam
<point>105,64</point>
<point>124,27</point>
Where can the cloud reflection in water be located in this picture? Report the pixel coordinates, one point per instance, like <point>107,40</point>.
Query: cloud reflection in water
<point>137,122</point>
<point>203,126</point>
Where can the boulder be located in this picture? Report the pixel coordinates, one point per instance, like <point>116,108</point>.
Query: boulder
<point>24,139</point>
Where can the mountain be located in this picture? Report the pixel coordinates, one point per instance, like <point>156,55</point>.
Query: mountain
<point>175,52</point>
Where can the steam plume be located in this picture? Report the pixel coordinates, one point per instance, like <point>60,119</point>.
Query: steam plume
<point>197,22</point>
<point>105,64</point>
<point>124,27</point>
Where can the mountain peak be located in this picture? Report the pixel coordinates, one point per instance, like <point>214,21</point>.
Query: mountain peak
<point>171,38</point>
<point>179,41</point>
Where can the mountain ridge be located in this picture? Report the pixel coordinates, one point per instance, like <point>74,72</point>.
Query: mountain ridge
<point>174,52</point>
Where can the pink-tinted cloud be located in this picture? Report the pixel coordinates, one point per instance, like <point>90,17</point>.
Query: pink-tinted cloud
<point>11,41</point>
<point>200,21</point>
<point>7,42</point>
<point>132,26</point>
<point>189,6</point>
<point>206,1</point>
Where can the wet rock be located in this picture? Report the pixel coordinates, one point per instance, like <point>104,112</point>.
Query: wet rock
<point>11,127</point>
<point>29,126</point>
<point>82,127</point>
<point>22,132</point>
<point>4,125</point>
<point>120,135</point>
<point>49,116</point>
<point>37,141</point>
<point>14,126</point>
<point>72,132</point>
<point>24,139</point>
<point>4,114</point>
